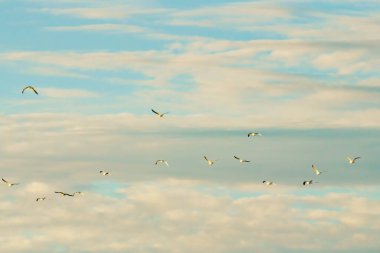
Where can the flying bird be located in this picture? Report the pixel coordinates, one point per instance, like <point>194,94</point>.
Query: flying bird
<point>309,182</point>
<point>8,183</point>
<point>162,161</point>
<point>210,162</point>
<point>316,171</point>
<point>352,161</point>
<point>65,194</point>
<point>254,134</point>
<point>30,88</point>
<point>159,114</point>
<point>104,173</point>
<point>241,160</point>
<point>268,182</point>
<point>38,199</point>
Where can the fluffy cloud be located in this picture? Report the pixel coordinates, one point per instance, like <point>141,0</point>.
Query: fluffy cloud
<point>177,216</point>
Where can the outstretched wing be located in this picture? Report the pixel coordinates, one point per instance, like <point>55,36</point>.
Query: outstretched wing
<point>35,91</point>
<point>236,157</point>
<point>5,181</point>
<point>155,112</point>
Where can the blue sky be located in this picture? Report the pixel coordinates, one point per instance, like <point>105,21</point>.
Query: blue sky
<point>303,73</point>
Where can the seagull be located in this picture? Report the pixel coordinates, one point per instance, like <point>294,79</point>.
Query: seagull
<point>31,88</point>
<point>268,182</point>
<point>38,199</point>
<point>315,169</point>
<point>159,114</point>
<point>254,134</point>
<point>8,183</point>
<point>162,161</point>
<point>210,162</point>
<point>104,173</point>
<point>65,194</point>
<point>241,160</point>
<point>352,161</point>
<point>308,182</point>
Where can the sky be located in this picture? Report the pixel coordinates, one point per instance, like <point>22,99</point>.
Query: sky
<point>305,74</point>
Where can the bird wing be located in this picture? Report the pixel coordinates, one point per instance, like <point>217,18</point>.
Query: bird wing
<point>249,134</point>
<point>24,89</point>
<point>35,91</point>
<point>236,157</point>
<point>5,181</point>
<point>155,112</point>
<point>356,158</point>
<point>166,163</point>
<point>246,161</point>
<point>206,158</point>
<point>314,169</point>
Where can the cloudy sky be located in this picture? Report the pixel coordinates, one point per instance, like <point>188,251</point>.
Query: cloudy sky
<point>303,73</point>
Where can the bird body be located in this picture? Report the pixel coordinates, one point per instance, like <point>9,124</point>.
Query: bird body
<point>30,88</point>
<point>241,160</point>
<point>316,171</point>
<point>352,160</point>
<point>210,162</point>
<point>9,183</point>
<point>104,173</point>
<point>268,182</point>
<point>159,114</point>
<point>254,134</point>
<point>162,161</point>
<point>309,182</point>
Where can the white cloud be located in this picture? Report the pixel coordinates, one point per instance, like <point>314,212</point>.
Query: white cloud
<point>151,212</point>
<point>67,93</point>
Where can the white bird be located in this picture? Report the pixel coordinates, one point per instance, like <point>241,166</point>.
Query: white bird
<point>38,199</point>
<point>30,88</point>
<point>8,183</point>
<point>352,161</point>
<point>316,171</point>
<point>210,162</point>
<point>268,182</point>
<point>104,173</point>
<point>162,161</point>
<point>241,160</point>
<point>309,182</point>
<point>159,114</point>
<point>254,134</point>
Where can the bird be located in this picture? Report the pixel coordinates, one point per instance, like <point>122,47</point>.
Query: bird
<point>268,182</point>
<point>104,173</point>
<point>352,161</point>
<point>254,134</point>
<point>309,182</point>
<point>8,183</point>
<point>31,88</point>
<point>162,161</point>
<point>38,199</point>
<point>315,169</point>
<point>65,194</point>
<point>159,114</point>
<point>210,162</point>
<point>241,160</point>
